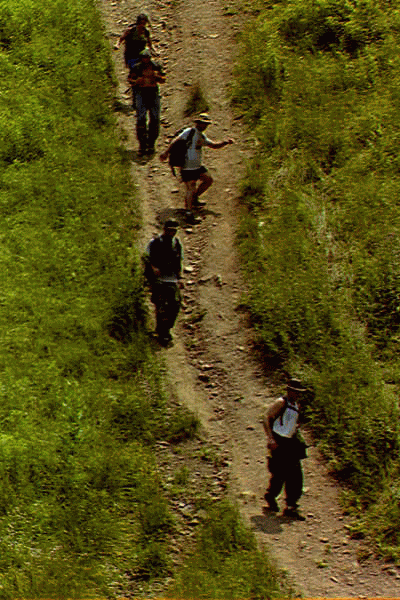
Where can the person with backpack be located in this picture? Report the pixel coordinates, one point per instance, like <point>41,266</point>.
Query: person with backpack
<point>286,449</point>
<point>135,38</point>
<point>165,255</point>
<point>194,174</point>
<point>145,77</point>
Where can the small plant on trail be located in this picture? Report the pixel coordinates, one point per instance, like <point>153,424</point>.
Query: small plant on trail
<point>196,103</point>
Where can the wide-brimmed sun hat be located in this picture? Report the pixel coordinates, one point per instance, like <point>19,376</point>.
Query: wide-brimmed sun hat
<point>203,118</point>
<point>296,385</point>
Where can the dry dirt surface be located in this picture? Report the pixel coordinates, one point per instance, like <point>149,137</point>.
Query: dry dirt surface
<point>212,365</point>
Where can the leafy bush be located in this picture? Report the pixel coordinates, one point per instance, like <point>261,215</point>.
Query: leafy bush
<point>319,229</point>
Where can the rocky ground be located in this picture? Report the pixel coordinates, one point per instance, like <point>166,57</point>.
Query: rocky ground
<point>212,366</point>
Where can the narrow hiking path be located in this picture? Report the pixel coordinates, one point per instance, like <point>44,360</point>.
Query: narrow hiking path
<point>212,367</point>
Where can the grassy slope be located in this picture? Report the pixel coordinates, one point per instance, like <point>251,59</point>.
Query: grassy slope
<point>82,510</point>
<point>320,229</point>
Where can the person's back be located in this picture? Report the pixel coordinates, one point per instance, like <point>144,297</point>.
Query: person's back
<point>135,42</point>
<point>165,255</point>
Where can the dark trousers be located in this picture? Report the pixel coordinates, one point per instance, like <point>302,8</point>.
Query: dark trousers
<point>286,471</point>
<point>166,298</point>
<point>147,102</point>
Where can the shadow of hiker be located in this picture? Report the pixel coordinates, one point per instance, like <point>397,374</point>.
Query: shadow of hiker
<point>178,214</point>
<point>270,523</point>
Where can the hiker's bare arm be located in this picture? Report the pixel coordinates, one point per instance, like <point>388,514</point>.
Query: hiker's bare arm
<point>220,144</point>
<point>121,39</point>
<point>268,421</point>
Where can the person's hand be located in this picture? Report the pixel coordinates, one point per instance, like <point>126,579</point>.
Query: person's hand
<point>272,445</point>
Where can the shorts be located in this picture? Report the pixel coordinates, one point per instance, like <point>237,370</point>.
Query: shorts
<point>192,174</point>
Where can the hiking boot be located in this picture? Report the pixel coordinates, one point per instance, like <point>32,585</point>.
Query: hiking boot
<point>293,513</point>
<point>272,504</point>
<point>198,203</point>
<point>191,219</point>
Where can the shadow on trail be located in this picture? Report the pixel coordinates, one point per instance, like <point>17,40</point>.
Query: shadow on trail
<point>179,215</point>
<point>268,523</point>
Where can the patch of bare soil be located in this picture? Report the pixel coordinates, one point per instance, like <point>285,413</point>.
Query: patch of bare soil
<point>212,366</point>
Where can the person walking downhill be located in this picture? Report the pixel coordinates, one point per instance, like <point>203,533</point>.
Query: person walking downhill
<point>135,38</point>
<point>145,77</point>
<point>286,449</point>
<point>194,174</point>
<point>165,255</point>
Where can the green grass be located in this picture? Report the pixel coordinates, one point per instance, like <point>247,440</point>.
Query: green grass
<point>82,394</point>
<point>317,83</point>
<point>226,563</point>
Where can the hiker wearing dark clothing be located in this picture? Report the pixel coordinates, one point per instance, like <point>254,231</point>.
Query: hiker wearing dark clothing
<point>286,449</point>
<point>135,38</point>
<point>144,78</point>
<point>193,171</point>
<point>165,256</point>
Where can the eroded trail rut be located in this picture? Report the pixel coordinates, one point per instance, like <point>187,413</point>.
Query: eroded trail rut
<point>211,364</point>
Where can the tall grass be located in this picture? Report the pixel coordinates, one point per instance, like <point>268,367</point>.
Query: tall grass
<point>80,402</point>
<point>318,84</point>
<point>82,396</point>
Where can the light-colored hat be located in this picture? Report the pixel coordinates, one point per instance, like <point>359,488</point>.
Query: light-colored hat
<point>203,118</point>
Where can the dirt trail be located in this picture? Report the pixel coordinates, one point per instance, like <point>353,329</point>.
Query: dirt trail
<point>211,364</point>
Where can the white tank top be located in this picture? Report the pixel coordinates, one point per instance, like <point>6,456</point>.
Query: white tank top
<point>286,424</point>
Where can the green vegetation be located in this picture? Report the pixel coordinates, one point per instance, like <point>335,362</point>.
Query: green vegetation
<point>82,400</point>
<point>226,563</point>
<point>318,84</point>
<point>196,102</point>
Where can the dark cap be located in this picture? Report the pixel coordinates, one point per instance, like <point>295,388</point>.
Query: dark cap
<point>296,385</point>
<point>171,224</point>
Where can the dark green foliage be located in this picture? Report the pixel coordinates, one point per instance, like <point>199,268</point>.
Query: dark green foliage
<point>196,103</point>
<point>319,233</point>
<point>227,564</point>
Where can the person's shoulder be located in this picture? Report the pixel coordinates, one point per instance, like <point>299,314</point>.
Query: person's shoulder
<point>155,241</point>
<point>275,406</point>
<point>185,132</point>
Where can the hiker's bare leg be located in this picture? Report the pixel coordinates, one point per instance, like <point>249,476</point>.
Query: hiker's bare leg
<point>205,182</point>
<point>190,191</point>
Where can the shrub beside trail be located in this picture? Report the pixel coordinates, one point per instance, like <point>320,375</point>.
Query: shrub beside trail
<point>317,83</point>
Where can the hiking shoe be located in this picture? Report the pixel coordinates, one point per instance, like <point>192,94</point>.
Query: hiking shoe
<point>165,340</point>
<point>199,204</point>
<point>191,219</point>
<point>272,504</point>
<point>293,513</point>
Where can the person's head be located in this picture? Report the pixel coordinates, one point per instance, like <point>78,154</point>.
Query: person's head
<point>142,20</point>
<point>202,121</point>
<point>170,228</point>
<point>145,55</point>
<point>296,390</point>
